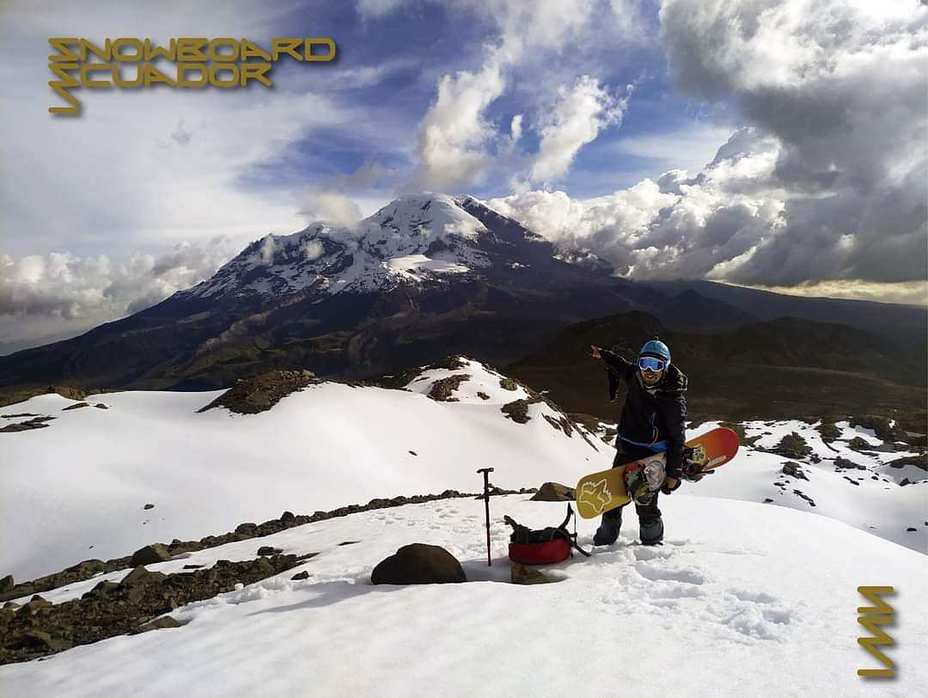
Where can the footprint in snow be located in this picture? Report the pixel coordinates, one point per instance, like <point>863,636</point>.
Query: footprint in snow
<point>646,553</point>
<point>687,575</point>
<point>754,614</point>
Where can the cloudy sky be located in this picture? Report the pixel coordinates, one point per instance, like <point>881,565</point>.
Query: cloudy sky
<point>775,143</point>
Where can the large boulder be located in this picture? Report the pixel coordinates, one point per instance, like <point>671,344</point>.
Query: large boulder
<point>554,492</point>
<point>419,563</point>
<point>150,555</point>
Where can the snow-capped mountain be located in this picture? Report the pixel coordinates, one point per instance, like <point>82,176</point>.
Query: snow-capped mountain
<point>414,239</point>
<point>425,276</point>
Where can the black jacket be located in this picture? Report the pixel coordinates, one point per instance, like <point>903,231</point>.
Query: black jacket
<point>650,415</point>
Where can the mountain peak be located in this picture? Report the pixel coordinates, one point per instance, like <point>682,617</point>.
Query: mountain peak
<point>417,238</point>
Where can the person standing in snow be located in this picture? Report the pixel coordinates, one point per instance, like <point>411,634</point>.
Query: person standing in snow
<point>652,421</point>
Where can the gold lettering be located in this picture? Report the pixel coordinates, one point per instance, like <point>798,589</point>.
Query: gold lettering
<point>250,50</point>
<point>154,51</point>
<point>135,44</point>
<point>88,47</point>
<point>191,49</point>
<point>62,86</point>
<point>87,81</point>
<point>329,55</point>
<point>871,618</point>
<point>152,76</point>
<point>216,80</point>
<point>202,75</point>
<point>64,55</point>
<point>286,45</point>
<point>256,71</point>
<point>120,81</point>
<point>216,55</point>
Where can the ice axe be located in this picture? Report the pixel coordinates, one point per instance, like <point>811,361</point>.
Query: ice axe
<point>486,499</point>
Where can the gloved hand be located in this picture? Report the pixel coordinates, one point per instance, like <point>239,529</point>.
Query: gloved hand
<point>670,484</point>
<point>693,472</point>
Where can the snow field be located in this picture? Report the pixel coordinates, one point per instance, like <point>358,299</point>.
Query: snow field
<point>740,600</point>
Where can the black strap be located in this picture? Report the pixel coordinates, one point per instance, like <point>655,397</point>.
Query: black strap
<point>573,537</point>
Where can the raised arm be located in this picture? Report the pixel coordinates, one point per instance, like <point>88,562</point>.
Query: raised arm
<point>616,365</point>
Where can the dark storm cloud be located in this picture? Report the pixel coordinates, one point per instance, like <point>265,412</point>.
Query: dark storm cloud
<point>842,88</point>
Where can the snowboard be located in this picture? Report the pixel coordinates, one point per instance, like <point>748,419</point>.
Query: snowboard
<point>605,490</point>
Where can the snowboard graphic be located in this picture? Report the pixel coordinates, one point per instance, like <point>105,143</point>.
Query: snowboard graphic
<point>605,490</point>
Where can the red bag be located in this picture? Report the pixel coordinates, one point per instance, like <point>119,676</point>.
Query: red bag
<point>543,546</point>
<point>550,551</point>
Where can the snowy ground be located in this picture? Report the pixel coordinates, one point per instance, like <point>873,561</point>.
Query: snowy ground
<point>745,598</point>
<point>870,499</point>
<point>76,489</point>
<point>742,600</point>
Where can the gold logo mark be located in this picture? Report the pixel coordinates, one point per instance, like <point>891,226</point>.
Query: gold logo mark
<point>594,496</point>
<point>129,62</point>
<point>872,617</point>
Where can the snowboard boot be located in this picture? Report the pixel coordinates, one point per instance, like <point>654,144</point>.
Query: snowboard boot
<point>608,530</point>
<point>651,531</point>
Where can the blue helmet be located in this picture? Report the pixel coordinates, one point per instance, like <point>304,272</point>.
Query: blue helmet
<point>656,348</point>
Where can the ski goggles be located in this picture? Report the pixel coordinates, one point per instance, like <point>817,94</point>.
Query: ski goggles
<point>651,363</point>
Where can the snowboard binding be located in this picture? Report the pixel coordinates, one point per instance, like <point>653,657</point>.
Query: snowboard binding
<point>643,482</point>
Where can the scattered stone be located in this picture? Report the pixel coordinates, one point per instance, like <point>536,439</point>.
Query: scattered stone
<point>793,446</point>
<point>140,576</point>
<point>89,568</point>
<point>904,481</point>
<point>349,542</point>
<point>919,461</point>
<point>43,642</point>
<point>150,555</point>
<point>148,506</point>
<point>19,416</point>
<point>260,393</point>
<point>419,563</point>
<point>852,481</point>
<point>794,470</point>
<point>806,497</point>
<point>34,423</point>
<point>554,492</point>
<point>482,395</point>
<point>829,431</point>
<point>267,550</point>
<point>76,406</point>
<point>767,500</point>
<point>101,406</point>
<point>287,517</point>
<point>192,567</point>
<point>6,584</point>
<point>248,528</point>
<point>443,389</point>
<point>523,574</point>
<point>102,589</point>
<point>517,411</point>
<point>858,444</point>
<point>413,453</point>
<point>561,423</point>
<point>508,384</point>
<point>300,575</point>
<point>160,623</point>
<point>845,464</point>
<point>911,528</point>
